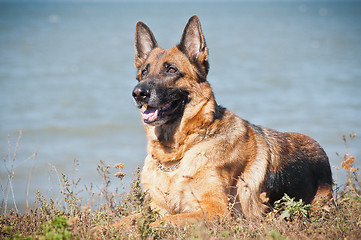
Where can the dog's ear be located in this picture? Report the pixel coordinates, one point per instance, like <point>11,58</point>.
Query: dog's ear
<point>194,45</point>
<point>144,43</point>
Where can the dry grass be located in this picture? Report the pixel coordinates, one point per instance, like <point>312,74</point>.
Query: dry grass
<point>73,218</point>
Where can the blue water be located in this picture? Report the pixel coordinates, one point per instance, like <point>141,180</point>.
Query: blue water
<point>67,72</point>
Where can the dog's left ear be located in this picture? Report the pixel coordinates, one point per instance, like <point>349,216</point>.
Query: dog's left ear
<point>144,43</point>
<point>194,45</point>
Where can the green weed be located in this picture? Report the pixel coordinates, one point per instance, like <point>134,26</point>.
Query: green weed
<point>56,229</point>
<point>291,209</point>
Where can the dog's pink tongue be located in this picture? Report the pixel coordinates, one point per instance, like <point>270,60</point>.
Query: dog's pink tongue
<point>150,114</point>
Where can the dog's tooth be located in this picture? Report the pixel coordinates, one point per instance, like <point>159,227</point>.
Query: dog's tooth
<point>144,107</point>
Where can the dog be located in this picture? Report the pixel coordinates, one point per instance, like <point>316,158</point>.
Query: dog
<point>203,161</point>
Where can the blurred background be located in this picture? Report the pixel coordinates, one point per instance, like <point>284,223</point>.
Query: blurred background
<point>67,72</point>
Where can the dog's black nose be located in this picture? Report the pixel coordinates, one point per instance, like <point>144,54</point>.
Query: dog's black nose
<point>141,93</point>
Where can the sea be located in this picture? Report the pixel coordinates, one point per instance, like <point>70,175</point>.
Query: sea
<point>67,72</point>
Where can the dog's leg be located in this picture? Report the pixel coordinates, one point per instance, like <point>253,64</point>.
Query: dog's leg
<point>251,201</point>
<point>191,218</point>
<point>248,186</point>
<point>324,197</point>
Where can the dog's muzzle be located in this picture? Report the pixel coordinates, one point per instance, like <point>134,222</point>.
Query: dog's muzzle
<point>158,106</point>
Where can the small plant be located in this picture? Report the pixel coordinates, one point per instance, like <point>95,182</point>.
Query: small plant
<point>139,202</point>
<point>7,186</point>
<point>147,216</point>
<point>69,195</point>
<point>136,196</point>
<point>291,209</point>
<point>47,206</point>
<point>105,194</point>
<point>352,186</point>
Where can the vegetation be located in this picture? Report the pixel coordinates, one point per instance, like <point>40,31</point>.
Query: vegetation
<point>72,218</point>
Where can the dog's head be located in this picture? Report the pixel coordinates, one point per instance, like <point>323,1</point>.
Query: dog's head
<point>170,81</point>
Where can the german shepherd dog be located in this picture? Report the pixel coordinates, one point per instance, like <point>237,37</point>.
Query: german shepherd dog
<point>202,158</point>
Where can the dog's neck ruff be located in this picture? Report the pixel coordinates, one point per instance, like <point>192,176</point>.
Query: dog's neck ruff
<point>167,169</point>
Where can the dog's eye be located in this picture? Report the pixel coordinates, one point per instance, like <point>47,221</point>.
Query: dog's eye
<point>144,72</point>
<point>172,70</point>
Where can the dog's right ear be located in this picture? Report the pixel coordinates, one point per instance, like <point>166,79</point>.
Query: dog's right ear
<point>194,46</point>
<point>144,43</point>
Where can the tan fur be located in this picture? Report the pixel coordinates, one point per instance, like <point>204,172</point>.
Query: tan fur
<point>226,166</point>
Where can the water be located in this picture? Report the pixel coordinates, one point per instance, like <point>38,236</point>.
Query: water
<point>67,71</point>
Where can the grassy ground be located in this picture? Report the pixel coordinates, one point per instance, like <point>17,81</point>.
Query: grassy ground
<point>73,218</point>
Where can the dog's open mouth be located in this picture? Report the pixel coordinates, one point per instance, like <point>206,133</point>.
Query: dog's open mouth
<point>159,115</point>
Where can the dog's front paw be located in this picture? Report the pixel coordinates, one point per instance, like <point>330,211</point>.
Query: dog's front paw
<point>126,222</point>
<point>99,230</point>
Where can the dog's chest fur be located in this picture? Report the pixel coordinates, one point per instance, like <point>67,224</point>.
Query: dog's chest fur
<point>181,190</point>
